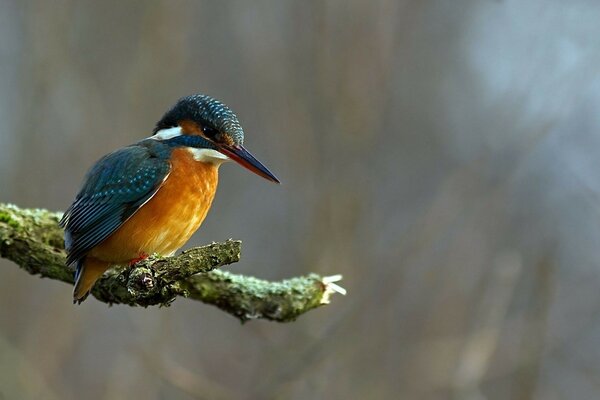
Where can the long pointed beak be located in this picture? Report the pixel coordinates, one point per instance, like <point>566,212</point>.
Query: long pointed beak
<point>241,156</point>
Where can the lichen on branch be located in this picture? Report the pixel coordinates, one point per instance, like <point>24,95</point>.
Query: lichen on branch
<point>32,239</point>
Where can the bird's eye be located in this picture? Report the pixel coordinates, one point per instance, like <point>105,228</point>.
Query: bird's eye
<point>210,133</point>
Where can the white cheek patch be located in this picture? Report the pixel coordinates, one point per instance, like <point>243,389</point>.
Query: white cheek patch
<point>208,155</point>
<point>165,134</point>
<point>203,155</point>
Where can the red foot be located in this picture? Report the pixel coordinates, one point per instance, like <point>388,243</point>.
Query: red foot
<point>141,256</point>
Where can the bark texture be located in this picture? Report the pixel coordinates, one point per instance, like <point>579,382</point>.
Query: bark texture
<point>32,239</point>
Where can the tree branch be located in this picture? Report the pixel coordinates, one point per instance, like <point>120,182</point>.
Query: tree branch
<point>33,240</point>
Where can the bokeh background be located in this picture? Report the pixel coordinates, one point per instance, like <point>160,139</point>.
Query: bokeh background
<point>442,155</point>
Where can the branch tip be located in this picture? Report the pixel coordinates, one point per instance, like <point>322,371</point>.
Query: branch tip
<point>331,287</point>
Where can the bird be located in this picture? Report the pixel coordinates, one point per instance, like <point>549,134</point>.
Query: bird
<point>151,196</point>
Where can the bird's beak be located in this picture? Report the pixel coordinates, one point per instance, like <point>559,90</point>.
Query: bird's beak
<point>241,156</point>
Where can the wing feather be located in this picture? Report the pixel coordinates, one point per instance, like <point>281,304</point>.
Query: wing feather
<point>113,190</point>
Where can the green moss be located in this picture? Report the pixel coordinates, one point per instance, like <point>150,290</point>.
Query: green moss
<point>32,239</point>
<point>8,219</point>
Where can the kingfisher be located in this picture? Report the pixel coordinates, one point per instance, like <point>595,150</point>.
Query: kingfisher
<point>151,196</point>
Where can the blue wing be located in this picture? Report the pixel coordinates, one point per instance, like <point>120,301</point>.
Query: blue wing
<point>113,190</point>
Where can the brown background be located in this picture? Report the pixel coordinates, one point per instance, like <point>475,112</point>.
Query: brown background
<point>442,155</point>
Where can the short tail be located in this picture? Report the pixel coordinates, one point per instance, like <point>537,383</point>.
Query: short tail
<point>87,273</point>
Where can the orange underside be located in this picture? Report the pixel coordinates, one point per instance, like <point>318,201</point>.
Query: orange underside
<point>162,225</point>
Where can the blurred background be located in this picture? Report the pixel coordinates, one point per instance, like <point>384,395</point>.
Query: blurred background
<point>442,155</point>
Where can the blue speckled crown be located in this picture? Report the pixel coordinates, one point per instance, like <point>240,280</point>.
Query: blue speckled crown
<point>206,111</point>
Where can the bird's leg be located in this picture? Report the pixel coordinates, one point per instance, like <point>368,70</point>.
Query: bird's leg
<point>140,257</point>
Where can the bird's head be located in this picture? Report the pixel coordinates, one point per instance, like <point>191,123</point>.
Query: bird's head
<point>211,130</point>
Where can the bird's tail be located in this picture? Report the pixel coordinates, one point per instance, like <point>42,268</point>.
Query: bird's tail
<point>88,271</point>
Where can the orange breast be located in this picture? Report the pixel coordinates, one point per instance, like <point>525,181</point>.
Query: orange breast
<point>167,220</point>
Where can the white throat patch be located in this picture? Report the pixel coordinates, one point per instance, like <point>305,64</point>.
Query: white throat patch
<point>208,155</point>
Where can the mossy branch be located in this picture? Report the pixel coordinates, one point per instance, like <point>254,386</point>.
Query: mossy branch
<point>33,240</point>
